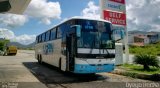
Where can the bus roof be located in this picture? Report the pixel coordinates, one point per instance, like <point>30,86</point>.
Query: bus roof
<point>77,18</point>
<point>84,18</point>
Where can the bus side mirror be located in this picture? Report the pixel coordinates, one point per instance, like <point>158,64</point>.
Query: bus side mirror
<point>118,34</point>
<point>77,30</point>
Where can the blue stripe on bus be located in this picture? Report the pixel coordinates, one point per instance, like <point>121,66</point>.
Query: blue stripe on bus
<point>83,68</point>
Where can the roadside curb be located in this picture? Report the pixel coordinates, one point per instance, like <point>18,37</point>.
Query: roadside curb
<point>154,77</point>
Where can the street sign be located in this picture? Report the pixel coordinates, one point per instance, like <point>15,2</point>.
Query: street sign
<point>114,11</point>
<point>119,7</point>
<point>118,1</point>
<point>115,17</point>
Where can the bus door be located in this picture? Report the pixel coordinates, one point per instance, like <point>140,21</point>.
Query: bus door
<point>71,51</point>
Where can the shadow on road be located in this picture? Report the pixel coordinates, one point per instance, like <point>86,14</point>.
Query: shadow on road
<point>50,74</point>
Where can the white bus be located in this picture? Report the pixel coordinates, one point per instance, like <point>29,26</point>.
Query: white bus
<point>78,45</point>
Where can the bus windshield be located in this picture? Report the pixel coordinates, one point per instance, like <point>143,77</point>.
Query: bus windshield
<point>95,35</point>
<point>96,40</point>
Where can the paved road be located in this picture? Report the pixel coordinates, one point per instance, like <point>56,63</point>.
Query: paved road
<point>24,69</point>
<point>13,70</point>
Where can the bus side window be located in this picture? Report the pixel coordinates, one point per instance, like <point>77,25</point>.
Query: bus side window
<point>48,36</point>
<point>43,37</point>
<point>39,39</point>
<point>53,34</point>
<point>58,33</point>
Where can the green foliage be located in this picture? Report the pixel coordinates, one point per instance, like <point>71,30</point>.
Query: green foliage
<point>153,49</point>
<point>147,60</point>
<point>130,74</point>
<point>3,44</point>
<point>134,68</point>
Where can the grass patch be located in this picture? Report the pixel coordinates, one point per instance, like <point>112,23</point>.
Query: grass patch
<point>139,69</point>
<point>153,49</point>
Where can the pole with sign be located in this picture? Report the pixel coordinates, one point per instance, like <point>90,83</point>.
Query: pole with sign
<point>115,12</point>
<point>115,17</point>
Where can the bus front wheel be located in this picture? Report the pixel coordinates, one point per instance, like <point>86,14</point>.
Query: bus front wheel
<point>39,59</point>
<point>60,63</point>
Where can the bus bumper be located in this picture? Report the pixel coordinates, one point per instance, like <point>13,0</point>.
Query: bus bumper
<point>86,69</point>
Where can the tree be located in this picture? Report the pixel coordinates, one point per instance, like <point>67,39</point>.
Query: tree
<point>3,44</point>
<point>147,60</point>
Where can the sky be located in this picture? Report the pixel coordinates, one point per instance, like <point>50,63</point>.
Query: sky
<point>41,15</point>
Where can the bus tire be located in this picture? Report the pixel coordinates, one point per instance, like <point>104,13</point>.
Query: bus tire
<point>60,62</point>
<point>39,59</point>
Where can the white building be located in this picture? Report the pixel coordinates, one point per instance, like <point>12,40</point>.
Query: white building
<point>130,39</point>
<point>140,38</point>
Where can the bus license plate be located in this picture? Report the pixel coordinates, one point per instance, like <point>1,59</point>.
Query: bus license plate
<point>99,68</point>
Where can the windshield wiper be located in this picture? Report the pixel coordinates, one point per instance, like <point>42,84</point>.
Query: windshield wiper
<point>107,52</point>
